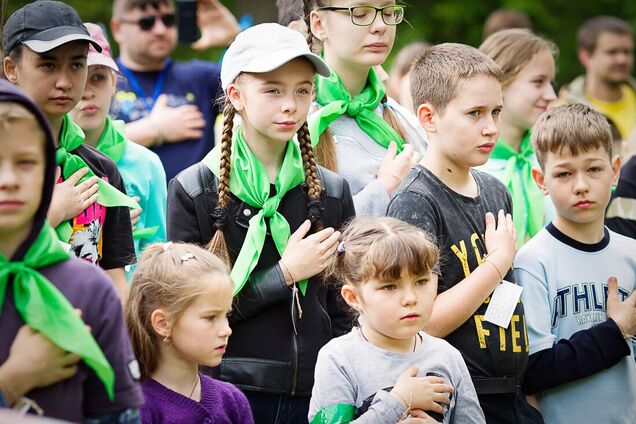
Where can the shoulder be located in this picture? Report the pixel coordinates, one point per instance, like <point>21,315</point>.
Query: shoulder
<point>196,179</point>
<point>197,68</point>
<point>487,180</point>
<point>98,160</point>
<point>139,152</point>
<point>419,181</point>
<point>537,250</point>
<point>441,345</point>
<point>334,184</point>
<point>223,389</point>
<point>337,347</point>
<point>622,243</point>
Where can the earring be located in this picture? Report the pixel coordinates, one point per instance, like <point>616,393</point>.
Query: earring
<point>166,339</point>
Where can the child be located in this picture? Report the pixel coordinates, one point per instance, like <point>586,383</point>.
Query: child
<point>579,278</point>
<point>180,296</point>
<point>42,289</point>
<point>358,129</point>
<point>249,194</point>
<point>141,169</point>
<point>527,61</point>
<point>89,208</point>
<point>385,266</point>
<point>457,92</point>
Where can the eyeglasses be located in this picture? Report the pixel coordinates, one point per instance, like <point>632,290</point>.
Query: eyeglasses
<point>365,15</point>
<point>146,23</point>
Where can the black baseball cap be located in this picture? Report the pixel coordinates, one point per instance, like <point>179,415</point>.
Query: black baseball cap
<point>43,26</point>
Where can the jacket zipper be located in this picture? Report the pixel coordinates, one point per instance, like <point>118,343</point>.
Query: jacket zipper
<point>295,365</point>
<point>328,317</point>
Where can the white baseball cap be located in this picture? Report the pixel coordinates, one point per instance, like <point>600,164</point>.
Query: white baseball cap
<point>263,48</point>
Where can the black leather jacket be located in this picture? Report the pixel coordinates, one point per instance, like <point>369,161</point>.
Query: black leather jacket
<point>271,349</point>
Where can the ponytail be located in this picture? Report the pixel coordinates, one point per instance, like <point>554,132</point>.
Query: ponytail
<point>314,186</point>
<point>389,116</point>
<point>217,245</point>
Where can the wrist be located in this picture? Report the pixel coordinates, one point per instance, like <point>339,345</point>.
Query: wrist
<point>159,137</point>
<point>13,384</point>
<point>390,183</point>
<point>289,277</point>
<point>501,262</point>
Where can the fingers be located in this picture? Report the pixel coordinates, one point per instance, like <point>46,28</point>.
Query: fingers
<point>390,152</point>
<point>490,221</point>
<point>58,173</point>
<point>321,235</point>
<point>77,175</point>
<point>329,245</point>
<point>162,102</point>
<point>69,359</point>
<point>301,232</point>
<point>411,371</point>
<point>612,293</point>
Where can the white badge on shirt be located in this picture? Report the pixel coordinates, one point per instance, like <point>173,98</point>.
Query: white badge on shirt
<point>502,304</point>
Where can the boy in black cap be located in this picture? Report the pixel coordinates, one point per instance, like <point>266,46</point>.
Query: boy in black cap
<point>46,46</point>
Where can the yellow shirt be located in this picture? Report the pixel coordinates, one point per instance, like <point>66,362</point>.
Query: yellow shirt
<point>622,112</point>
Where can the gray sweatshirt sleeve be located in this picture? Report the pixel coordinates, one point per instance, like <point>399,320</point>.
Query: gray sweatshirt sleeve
<point>372,200</point>
<point>335,385</point>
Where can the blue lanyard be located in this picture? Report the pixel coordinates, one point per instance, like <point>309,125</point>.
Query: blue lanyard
<point>136,87</point>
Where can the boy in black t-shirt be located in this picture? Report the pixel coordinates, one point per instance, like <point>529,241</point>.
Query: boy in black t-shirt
<point>46,46</point>
<point>457,91</point>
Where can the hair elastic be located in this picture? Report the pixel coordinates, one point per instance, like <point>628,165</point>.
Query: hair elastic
<point>167,246</point>
<point>187,257</point>
<point>341,247</point>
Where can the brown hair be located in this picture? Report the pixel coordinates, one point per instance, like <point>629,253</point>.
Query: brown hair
<point>438,74</point>
<point>576,128</point>
<point>326,148</point>
<point>403,61</point>
<point>512,49</point>
<point>122,6</point>
<point>501,19</point>
<point>588,33</point>
<point>289,11</point>
<point>170,276</point>
<point>312,181</point>
<point>383,248</point>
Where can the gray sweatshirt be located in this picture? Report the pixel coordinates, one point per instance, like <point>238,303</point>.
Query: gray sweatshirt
<point>352,371</point>
<point>359,158</point>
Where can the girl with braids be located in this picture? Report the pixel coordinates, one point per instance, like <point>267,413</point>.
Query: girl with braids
<point>259,200</point>
<point>368,139</point>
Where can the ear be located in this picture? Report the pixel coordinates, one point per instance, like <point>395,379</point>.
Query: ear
<point>115,25</point>
<point>235,97</point>
<point>10,70</point>
<point>350,294</point>
<point>539,178</point>
<point>317,27</point>
<point>584,57</point>
<point>299,25</point>
<point>616,169</point>
<point>425,113</point>
<point>161,322</point>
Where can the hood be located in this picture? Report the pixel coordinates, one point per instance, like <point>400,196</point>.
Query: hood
<point>11,93</point>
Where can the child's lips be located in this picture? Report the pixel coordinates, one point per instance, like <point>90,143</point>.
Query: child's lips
<point>410,317</point>
<point>486,147</point>
<point>584,204</point>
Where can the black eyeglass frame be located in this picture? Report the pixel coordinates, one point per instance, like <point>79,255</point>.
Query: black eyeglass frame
<point>377,9</point>
<point>169,20</point>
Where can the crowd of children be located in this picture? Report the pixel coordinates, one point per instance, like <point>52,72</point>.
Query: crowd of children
<point>257,295</point>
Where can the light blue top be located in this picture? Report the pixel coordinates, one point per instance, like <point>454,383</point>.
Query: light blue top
<point>145,177</point>
<point>564,292</point>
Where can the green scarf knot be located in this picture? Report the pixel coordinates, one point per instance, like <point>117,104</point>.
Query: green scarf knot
<point>337,101</point>
<point>45,309</point>
<point>112,142</point>
<point>250,183</point>
<point>523,189</point>
<point>71,137</point>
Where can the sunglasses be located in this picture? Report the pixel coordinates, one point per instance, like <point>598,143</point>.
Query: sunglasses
<point>146,23</point>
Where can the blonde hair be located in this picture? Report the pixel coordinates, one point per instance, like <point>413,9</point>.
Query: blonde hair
<point>326,148</point>
<point>437,75</point>
<point>575,128</point>
<point>382,248</point>
<point>11,112</point>
<point>512,49</point>
<point>170,276</point>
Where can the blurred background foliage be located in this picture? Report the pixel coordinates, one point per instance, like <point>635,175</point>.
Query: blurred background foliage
<point>433,20</point>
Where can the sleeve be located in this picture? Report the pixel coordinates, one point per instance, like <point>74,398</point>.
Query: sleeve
<point>107,324</point>
<point>333,385</point>
<point>118,248</point>
<point>372,200</point>
<point>182,220</point>
<point>467,408</point>
<point>243,408</point>
<point>552,364</point>
<point>155,212</point>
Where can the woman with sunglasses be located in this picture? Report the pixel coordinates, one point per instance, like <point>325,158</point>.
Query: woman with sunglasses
<point>166,104</point>
<point>368,139</point>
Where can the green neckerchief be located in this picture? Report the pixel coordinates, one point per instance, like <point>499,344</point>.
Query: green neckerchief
<point>250,183</point>
<point>71,137</point>
<point>335,414</point>
<point>112,143</point>
<point>336,101</point>
<point>45,309</point>
<point>524,190</point>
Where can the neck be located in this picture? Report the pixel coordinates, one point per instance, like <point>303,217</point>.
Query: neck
<point>458,178</point>
<point>354,78</point>
<point>177,374</point>
<point>512,135</point>
<point>141,64</point>
<point>56,126</point>
<point>588,233</point>
<point>603,90</point>
<point>388,343</point>
<point>269,152</point>
<point>9,243</point>
<point>91,137</point>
